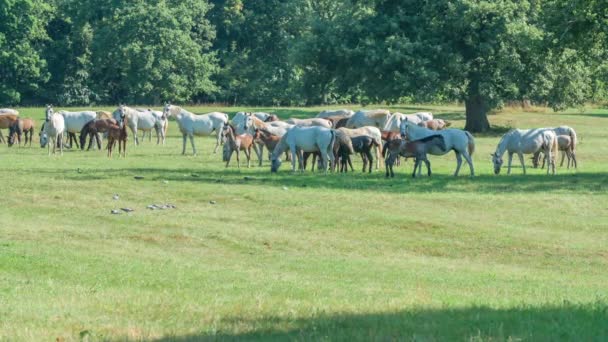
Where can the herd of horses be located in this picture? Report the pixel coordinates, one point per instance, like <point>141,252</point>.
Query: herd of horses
<point>330,138</point>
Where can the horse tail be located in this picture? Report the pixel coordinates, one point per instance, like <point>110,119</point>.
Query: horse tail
<point>471,145</point>
<point>573,138</point>
<point>555,146</point>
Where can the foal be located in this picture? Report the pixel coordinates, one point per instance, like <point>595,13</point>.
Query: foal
<point>417,149</point>
<point>241,142</point>
<point>117,132</point>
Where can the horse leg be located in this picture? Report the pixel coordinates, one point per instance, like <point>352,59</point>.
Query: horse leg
<point>428,166</point>
<point>98,141</point>
<point>521,160</point>
<point>134,131</point>
<point>469,160</point>
<point>229,157</point>
<point>238,157</point>
<point>259,151</point>
<point>368,152</point>
<point>60,138</point>
<point>185,138</point>
<point>192,143</point>
<point>295,156</point>
<point>248,155</point>
<point>218,140</point>
<point>458,162</point>
<point>416,163</point>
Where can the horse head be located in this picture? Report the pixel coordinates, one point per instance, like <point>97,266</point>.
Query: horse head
<point>48,112</point>
<point>43,136</point>
<point>497,161</point>
<point>167,110</point>
<point>276,164</point>
<point>403,128</point>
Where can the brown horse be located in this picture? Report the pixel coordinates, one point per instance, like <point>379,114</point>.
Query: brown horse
<point>92,130</point>
<point>6,121</point>
<point>117,132</point>
<point>238,143</point>
<point>21,126</point>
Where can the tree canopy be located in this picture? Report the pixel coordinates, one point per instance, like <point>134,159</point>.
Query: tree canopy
<point>305,52</point>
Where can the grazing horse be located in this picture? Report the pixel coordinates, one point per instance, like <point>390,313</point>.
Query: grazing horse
<point>20,127</point>
<point>526,141</point>
<point>201,125</point>
<point>305,139</point>
<point>53,128</point>
<point>145,121</point>
<point>460,141</point>
<point>237,143</point>
<point>564,144</point>
<point>6,121</point>
<point>92,130</point>
<point>309,122</point>
<point>363,145</point>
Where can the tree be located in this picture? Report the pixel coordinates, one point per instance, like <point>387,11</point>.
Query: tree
<point>22,34</point>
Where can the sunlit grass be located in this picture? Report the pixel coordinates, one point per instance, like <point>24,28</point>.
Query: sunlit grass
<point>247,254</point>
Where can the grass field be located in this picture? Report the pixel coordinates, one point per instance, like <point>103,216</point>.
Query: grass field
<point>305,257</point>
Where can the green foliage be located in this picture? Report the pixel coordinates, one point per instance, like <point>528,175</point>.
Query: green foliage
<point>305,52</point>
<point>22,33</point>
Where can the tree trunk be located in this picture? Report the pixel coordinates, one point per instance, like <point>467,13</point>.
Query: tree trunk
<point>477,114</point>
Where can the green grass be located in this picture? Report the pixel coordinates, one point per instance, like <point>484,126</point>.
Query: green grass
<point>306,257</point>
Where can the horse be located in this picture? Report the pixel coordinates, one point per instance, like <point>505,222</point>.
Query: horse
<point>20,127</point>
<point>376,118</point>
<point>74,121</point>
<point>564,144</point>
<point>305,139</point>
<point>460,141</point>
<point>238,143</point>
<point>201,125</point>
<point>6,121</point>
<point>526,141</point>
<point>277,128</point>
<point>417,149</point>
<point>362,145</point>
<point>144,120</point>
<point>92,130</point>
<point>335,112</point>
<point>53,127</point>
<point>370,131</point>
<point>309,122</point>
<point>160,133</point>
<point>9,111</point>
<point>118,133</point>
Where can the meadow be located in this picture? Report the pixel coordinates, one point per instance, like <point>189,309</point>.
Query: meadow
<point>247,254</point>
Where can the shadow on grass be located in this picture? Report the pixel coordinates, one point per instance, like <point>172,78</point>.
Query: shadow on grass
<point>402,183</point>
<point>546,323</point>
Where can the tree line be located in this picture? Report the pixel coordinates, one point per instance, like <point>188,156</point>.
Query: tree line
<point>305,52</point>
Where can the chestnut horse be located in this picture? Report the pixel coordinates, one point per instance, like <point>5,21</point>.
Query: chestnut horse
<point>6,121</point>
<point>21,126</point>
<point>92,130</point>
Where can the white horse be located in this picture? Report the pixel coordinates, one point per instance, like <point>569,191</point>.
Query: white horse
<point>200,125</point>
<point>462,142</point>
<point>309,122</point>
<point>74,121</point>
<point>526,141</point>
<point>424,116</point>
<point>9,111</point>
<point>335,112</point>
<point>393,123</point>
<point>305,139</point>
<point>53,127</point>
<point>142,120</point>
<point>376,117</point>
